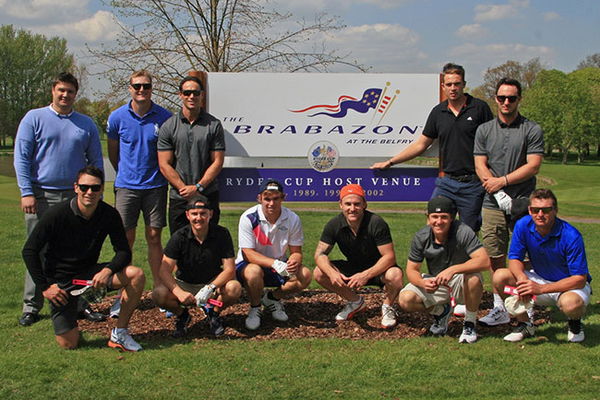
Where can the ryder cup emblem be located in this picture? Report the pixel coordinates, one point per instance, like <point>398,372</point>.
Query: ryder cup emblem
<point>323,156</point>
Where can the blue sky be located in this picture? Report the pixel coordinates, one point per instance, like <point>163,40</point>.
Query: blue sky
<point>406,36</point>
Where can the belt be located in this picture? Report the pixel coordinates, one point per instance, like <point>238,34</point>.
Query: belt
<point>463,178</point>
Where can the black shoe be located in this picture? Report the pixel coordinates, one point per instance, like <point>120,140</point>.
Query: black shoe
<point>92,316</point>
<point>216,325</point>
<point>181,324</point>
<point>28,318</point>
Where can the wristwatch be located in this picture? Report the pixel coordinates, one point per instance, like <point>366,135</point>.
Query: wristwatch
<point>199,187</point>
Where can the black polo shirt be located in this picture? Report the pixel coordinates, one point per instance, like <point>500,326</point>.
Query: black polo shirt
<point>71,244</point>
<point>199,262</point>
<point>360,250</point>
<point>457,133</point>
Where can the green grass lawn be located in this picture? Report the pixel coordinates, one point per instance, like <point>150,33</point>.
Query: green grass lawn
<point>33,367</point>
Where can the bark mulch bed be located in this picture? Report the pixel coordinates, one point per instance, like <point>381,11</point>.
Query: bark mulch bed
<point>312,315</point>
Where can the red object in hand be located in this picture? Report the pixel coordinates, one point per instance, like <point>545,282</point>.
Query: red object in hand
<point>215,302</point>
<point>82,282</point>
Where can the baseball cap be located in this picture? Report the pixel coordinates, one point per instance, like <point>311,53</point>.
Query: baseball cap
<point>198,199</point>
<point>352,188</point>
<point>270,184</point>
<point>441,204</point>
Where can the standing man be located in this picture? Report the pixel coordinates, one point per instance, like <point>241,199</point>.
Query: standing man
<point>71,235</point>
<point>267,232</point>
<point>560,274</point>
<point>51,145</point>
<point>191,151</point>
<point>454,122</point>
<point>455,259</point>
<point>365,239</point>
<point>508,154</point>
<point>202,256</point>
<point>132,133</point>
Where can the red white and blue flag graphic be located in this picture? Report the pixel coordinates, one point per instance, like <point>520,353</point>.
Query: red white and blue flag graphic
<point>370,99</point>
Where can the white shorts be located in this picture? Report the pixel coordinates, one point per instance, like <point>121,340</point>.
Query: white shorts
<point>551,299</point>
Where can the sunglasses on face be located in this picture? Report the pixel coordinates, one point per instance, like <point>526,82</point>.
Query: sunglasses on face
<point>85,188</point>
<point>545,210</point>
<point>511,99</point>
<point>188,93</point>
<point>138,86</point>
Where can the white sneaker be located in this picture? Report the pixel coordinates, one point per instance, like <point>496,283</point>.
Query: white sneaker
<point>253,318</point>
<point>122,340</point>
<point>351,309</point>
<point>388,316</point>
<point>115,309</point>
<point>575,326</point>
<point>460,310</point>
<point>496,316</point>
<point>523,330</point>
<point>275,307</point>
<point>468,334</point>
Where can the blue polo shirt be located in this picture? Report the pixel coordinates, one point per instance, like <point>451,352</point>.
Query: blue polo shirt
<point>137,136</point>
<point>556,256</point>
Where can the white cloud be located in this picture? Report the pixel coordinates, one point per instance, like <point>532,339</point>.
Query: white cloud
<point>471,31</point>
<point>99,27</point>
<point>492,12</point>
<point>44,9</point>
<point>551,16</point>
<point>386,47</point>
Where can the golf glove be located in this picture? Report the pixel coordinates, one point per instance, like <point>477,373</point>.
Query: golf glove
<point>504,201</point>
<point>204,294</point>
<point>280,267</point>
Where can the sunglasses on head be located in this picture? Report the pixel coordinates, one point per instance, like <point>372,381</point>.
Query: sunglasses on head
<point>545,210</point>
<point>138,86</point>
<point>84,188</point>
<point>511,99</point>
<point>188,93</point>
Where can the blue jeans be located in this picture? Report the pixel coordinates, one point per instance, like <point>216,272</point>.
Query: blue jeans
<point>468,197</point>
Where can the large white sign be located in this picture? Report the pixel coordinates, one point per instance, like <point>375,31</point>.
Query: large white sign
<point>285,115</point>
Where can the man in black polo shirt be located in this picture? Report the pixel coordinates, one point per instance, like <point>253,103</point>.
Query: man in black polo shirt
<point>455,259</point>
<point>70,237</point>
<point>454,122</point>
<point>365,239</point>
<point>203,256</point>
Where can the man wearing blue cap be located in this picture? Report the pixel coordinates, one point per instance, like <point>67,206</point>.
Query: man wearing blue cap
<point>455,259</point>
<point>270,238</point>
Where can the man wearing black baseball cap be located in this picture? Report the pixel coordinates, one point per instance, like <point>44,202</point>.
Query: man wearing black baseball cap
<point>455,258</point>
<point>202,255</point>
<point>270,237</point>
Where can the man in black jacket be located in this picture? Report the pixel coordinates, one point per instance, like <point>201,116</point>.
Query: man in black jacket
<point>71,235</point>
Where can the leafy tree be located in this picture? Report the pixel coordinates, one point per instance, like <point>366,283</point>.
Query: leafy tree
<point>28,64</point>
<point>525,73</point>
<point>170,37</point>
<point>592,61</point>
<point>98,110</point>
<point>567,106</point>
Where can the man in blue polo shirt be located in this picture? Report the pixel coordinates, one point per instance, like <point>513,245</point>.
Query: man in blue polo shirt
<point>132,132</point>
<point>560,274</point>
<point>52,144</point>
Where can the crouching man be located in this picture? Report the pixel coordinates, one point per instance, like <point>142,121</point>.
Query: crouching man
<point>267,231</point>
<point>560,274</point>
<point>365,239</point>
<point>69,238</point>
<point>202,255</point>
<point>455,259</point>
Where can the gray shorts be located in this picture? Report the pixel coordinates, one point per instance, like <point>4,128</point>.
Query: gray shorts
<point>443,294</point>
<point>193,288</point>
<point>152,203</point>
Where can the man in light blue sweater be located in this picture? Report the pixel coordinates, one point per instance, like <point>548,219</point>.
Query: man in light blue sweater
<point>51,145</point>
